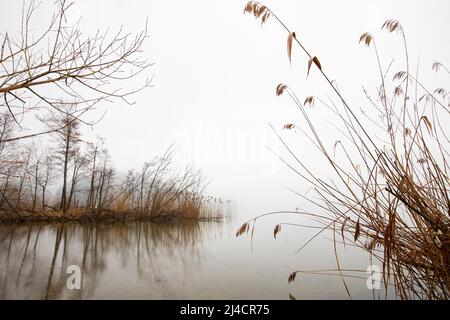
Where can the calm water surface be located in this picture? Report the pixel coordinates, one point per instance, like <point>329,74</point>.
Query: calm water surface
<point>192,260</point>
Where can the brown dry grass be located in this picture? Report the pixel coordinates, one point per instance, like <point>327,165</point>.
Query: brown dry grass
<point>388,194</point>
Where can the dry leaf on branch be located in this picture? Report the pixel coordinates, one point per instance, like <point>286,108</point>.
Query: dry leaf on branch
<point>357,230</point>
<point>289,45</point>
<point>316,62</point>
<point>243,229</point>
<point>276,230</point>
<point>280,89</point>
<point>292,276</point>
<point>289,126</point>
<point>309,100</point>
<point>427,123</point>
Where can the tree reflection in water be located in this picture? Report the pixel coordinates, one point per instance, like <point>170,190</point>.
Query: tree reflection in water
<point>34,258</point>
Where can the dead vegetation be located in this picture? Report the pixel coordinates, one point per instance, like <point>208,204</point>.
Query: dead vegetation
<point>45,68</point>
<point>389,189</point>
<point>58,74</point>
<point>92,190</point>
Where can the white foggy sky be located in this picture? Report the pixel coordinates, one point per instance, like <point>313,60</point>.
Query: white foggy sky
<point>216,71</point>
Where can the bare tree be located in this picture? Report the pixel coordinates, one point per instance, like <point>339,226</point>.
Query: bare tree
<point>22,175</point>
<point>46,177</point>
<point>67,137</point>
<point>62,66</point>
<point>94,153</point>
<point>9,160</point>
<point>36,168</point>
<point>79,162</point>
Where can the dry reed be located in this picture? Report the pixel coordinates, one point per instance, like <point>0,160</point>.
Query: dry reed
<point>389,194</point>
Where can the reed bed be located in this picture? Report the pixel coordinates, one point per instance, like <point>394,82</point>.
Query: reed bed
<point>388,193</point>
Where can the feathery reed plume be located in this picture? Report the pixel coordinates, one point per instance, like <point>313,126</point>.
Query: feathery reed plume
<point>366,38</point>
<point>258,10</point>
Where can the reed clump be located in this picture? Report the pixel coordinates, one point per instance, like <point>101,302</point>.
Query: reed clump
<point>388,193</point>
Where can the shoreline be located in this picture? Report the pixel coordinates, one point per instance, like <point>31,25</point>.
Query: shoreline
<point>102,217</point>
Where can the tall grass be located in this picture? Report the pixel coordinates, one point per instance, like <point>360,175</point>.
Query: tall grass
<point>388,192</point>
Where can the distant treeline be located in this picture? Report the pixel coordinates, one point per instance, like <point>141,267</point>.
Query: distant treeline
<point>58,76</point>
<point>70,178</point>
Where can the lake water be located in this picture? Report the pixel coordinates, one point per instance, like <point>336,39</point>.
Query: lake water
<point>190,260</point>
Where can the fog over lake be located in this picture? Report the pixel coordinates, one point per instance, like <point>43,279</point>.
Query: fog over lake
<point>212,97</point>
